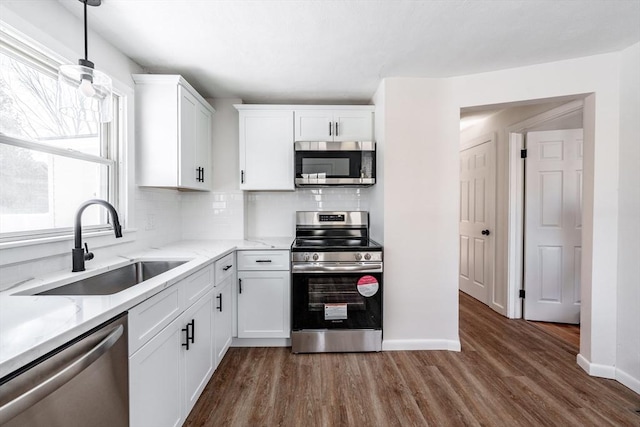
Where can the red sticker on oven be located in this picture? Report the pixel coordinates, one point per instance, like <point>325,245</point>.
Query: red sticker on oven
<point>368,286</point>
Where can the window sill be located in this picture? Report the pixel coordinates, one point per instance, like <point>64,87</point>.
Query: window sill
<point>32,249</point>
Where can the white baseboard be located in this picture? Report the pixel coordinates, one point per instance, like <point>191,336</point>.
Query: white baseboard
<point>628,381</point>
<point>261,342</point>
<point>397,345</point>
<point>596,370</point>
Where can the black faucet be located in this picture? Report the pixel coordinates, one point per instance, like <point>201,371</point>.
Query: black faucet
<point>78,253</point>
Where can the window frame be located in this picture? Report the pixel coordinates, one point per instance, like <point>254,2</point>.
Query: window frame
<point>111,137</point>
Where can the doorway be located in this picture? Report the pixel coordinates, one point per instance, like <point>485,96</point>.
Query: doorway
<point>510,124</point>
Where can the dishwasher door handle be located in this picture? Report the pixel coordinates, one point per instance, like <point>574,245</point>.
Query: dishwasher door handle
<point>36,394</point>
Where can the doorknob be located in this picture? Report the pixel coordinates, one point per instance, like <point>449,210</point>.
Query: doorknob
<point>485,232</point>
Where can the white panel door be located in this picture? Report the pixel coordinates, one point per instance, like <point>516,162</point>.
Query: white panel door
<point>477,213</point>
<point>553,226</point>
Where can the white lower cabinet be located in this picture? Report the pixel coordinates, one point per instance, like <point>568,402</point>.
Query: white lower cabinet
<point>199,357</point>
<point>155,380</point>
<point>263,294</point>
<point>223,318</point>
<point>168,372</point>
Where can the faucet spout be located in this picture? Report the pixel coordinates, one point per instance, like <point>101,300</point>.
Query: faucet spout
<point>78,253</point>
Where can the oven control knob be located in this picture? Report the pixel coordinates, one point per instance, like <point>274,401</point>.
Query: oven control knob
<point>358,256</point>
<point>315,257</point>
<point>367,256</point>
<point>305,257</point>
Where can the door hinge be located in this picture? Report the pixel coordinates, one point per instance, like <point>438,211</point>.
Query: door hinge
<point>523,154</point>
<point>521,293</point>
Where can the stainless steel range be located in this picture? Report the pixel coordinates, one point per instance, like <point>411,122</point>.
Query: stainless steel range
<point>337,288</point>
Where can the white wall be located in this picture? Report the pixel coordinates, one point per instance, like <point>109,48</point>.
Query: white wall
<point>628,310</point>
<point>420,214</point>
<point>420,190</point>
<point>377,193</point>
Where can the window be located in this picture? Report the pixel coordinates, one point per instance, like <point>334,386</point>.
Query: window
<point>49,162</point>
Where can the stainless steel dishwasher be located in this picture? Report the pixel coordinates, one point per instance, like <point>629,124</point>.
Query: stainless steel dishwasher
<point>82,383</point>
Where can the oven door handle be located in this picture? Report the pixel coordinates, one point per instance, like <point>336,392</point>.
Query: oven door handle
<point>336,268</point>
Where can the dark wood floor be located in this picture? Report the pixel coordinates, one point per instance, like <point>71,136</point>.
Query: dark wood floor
<point>568,333</point>
<point>509,373</point>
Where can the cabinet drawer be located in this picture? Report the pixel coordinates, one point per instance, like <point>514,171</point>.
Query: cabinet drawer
<point>149,317</point>
<point>223,268</point>
<point>263,260</point>
<point>197,285</point>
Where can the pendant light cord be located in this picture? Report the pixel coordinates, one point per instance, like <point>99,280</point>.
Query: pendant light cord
<point>86,48</point>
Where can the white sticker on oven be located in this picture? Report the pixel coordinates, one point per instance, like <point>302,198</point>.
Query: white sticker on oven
<point>335,311</point>
<point>368,286</point>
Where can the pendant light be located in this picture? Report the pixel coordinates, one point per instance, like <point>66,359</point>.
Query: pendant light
<point>85,93</point>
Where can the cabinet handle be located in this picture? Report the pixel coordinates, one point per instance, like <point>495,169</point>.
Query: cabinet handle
<point>330,127</point>
<point>336,128</point>
<point>186,341</point>
<point>242,177</point>
<point>263,260</point>
<point>219,298</point>
<point>201,174</point>
<point>239,286</point>
<point>226,267</point>
<point>189,337</point>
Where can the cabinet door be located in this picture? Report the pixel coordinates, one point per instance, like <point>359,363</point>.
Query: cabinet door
<point>199,357</point>
<point>266,150</point>
<point>263,304</point>
<point>187,111</point>
<point>314,125</point>
<point>203,148</point>
<point>353,125</point>
<point>223,318</point>
<point>155,380</point>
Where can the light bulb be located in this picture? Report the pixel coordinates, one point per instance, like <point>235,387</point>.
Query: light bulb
<point>86,87</point>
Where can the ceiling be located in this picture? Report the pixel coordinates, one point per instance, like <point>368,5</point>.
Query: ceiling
<point>339,51</point>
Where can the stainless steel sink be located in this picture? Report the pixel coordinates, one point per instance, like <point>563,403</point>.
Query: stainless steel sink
<point>117,280</point>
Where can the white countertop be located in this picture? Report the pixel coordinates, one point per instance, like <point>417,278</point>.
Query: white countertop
<point>31,326</point>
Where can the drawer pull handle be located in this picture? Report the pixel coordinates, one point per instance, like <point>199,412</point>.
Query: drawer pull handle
<point>226,267</point>
<point>263,260</point>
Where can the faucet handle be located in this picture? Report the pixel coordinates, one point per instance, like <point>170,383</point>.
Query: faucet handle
<point>88,255</point>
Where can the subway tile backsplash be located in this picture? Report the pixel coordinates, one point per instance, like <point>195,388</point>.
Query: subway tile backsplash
<point>272,214</point>
<point>214,215</point>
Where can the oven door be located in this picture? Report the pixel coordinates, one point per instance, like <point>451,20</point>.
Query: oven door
<point>337,300</point>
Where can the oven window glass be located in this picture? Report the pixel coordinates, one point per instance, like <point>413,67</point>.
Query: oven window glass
<point>336,301</point>
<point>329,166</point>
<point>334,291</point>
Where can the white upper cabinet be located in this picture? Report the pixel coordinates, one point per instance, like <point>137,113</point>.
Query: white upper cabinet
<point>354,123</point>
<point>173,133</point>
<point>266,148</point>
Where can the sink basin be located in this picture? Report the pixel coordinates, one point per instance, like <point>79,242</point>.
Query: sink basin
<point>116,280</point>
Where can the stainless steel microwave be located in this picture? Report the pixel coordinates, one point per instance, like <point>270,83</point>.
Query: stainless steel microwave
<point>339,163</point>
